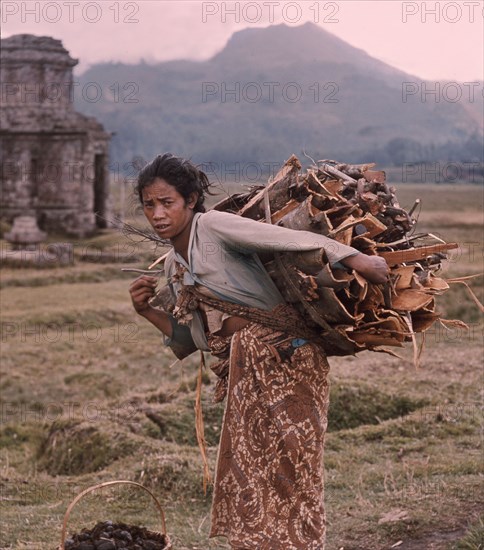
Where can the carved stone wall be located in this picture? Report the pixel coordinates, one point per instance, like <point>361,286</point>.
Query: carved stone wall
<point>55,160</point>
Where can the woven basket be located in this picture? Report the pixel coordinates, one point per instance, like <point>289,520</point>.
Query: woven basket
<point>168,545</point>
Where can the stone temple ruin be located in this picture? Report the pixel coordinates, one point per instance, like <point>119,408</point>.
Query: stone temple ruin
<point>54,160</point>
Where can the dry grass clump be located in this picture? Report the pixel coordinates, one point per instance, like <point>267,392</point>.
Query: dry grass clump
<point>474,538</point>
<point>354,405</point>
<point>174,472</point>
<point>175,421</point>
<point>75,447</point>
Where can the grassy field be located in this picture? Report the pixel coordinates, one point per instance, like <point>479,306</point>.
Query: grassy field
<point>89,394</point>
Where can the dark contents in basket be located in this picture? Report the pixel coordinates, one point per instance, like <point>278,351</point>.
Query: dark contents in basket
<point>107,535</point>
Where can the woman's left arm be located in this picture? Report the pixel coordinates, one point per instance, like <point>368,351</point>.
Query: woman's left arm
<point>247,235</point>
<point>254,236</point>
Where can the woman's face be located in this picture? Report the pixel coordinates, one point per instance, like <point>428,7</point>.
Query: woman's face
<point>166,210</point>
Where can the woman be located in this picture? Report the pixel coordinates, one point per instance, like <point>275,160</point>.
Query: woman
<point>268,491</point>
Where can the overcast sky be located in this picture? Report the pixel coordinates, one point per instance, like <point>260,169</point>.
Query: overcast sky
<point>431,40</point>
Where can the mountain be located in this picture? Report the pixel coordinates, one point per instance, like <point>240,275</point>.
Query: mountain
<point>274,91</point>
<point>280,45</point>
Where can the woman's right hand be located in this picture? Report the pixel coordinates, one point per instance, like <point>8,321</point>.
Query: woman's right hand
<point>141,290</point>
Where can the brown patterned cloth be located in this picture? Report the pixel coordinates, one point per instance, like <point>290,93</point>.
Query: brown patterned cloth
<point>268,492</point>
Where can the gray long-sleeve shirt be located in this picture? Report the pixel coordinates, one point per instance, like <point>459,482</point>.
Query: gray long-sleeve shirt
<point>223,256</point>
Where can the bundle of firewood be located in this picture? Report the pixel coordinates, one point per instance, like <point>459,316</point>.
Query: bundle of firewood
<point>353,205</point>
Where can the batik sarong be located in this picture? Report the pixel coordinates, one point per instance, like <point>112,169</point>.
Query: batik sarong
<point>268,492</point>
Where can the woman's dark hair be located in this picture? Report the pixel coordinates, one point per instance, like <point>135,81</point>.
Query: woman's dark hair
<point>184,176</point>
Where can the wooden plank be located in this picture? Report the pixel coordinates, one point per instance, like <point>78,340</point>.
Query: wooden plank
<point>344,237</point>
<point>404,274</point>
<point>373,299</point>
<point>333,278</point>
<point>423,319</point>
<point>331,309</point>
<point>336,342</point>
<point>290,206</point>
<point>375,176</point>
<point>333,187</point>
<point>411,300</point>
<point>390,331</point>
<point>305,217</point>
<point>252,209</point>
<point>374,337</point>
<point>363,244</point>
<point>314,184</point>
<point>414,254</point>
<point>435,283</point>
<point>373,226</point>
